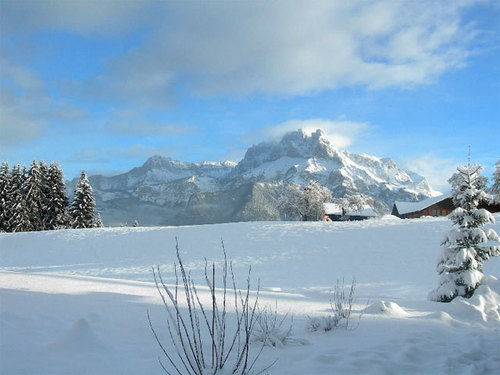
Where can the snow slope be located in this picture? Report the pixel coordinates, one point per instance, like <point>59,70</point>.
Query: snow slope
<point>75,301</point>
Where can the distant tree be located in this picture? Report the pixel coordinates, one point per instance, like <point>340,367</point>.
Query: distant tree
<point>315,196</point>
<point>57,200</point>
<point>82,208</point>
<point>45,195</point>
<point>33,198</point>
<point>495,188</point>
<point>290,202</point>
<point>98,221</point>
<point>135,224</point>
<point>350,203</point>
<point>19,220</point>
<point>467,246</point>
<point>5,209</point>
<point>305,203</point>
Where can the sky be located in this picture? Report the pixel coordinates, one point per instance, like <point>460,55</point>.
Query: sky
<point>103,85</point>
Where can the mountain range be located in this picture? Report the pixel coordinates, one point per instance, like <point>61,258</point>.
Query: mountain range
<point>164,191</point>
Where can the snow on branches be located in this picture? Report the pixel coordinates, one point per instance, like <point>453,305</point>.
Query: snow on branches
<point>495,188</point>
<point>82,208</point>
<point>305,202</point>
<point>35,199</point>
<point>467,246</point>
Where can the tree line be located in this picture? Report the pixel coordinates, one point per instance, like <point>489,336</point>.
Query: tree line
<point>34,199</point>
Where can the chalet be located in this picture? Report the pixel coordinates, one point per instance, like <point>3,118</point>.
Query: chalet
<point>436,206</point>
<point>441,205</point>
<point>337,213</point>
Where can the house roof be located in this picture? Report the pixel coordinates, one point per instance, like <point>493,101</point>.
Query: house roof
<point>408,207</point>
<point>335,209</point>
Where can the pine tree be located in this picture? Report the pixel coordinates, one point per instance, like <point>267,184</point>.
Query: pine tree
<point>495,188</point>
<point>98,221</point>
<point>45,195</point>
<point>465,249</point>
<point>57,199</point>
<point>18,221</point>
<point>83,206</point>
<point>33,198</point>
<point>5,209</point>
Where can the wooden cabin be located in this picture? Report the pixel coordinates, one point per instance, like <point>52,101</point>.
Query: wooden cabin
<point>435,206</point>
<point>337,213</point>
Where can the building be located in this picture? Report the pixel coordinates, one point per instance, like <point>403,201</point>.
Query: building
<point>337,213</point>
<point>435,206</point>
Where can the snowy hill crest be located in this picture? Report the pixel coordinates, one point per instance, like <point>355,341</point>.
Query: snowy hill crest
<point>168,191</point>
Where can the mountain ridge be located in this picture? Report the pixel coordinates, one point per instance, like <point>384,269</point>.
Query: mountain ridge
<point>167,191</point>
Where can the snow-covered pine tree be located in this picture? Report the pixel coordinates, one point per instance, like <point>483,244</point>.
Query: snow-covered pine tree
<point>98,221</point>
<point>82,208</point>
<point>18,221</point>
<point>467,246</point>
<point>33,198</point>
<point>5,210</point>
<point>495,188</point>
<point>58,201</point>
<point>45,196</point>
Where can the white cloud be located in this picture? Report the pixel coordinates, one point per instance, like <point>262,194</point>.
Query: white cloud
<point>273,47</point>
<point>341,133</point>
<point>25,108</point>
<point>290,48</point>
<point>437,170</point>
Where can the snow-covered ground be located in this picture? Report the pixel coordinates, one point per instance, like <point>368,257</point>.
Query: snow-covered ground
<point>75,301</point>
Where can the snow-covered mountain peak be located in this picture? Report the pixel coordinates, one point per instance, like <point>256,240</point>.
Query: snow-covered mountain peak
<point>162,162</point>
<point>297,144</point>
<point>165,190</point>
<point>307,144</point>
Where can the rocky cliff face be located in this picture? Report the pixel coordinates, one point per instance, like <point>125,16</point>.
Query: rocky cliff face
<point>165,191</point>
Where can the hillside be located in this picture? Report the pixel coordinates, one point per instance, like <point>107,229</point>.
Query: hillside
<point>75,301</point>
<point>164,191</point>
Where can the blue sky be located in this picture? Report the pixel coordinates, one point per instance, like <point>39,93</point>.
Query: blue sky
<point>103,85</point>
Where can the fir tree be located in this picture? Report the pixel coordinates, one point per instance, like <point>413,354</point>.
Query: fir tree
<point>58,201</point>
<point>18,221</point>
<point>467,246</point>
<point>495,188</point>
<point>98,221</point>
<point>83,206</point>
<point>33,198</point>
<point>45,196</point>
<point>5,209</point>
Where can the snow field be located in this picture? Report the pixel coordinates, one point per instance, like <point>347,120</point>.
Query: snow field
<point>75,301</point>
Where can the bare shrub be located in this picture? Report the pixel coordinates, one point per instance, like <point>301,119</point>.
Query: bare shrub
<point>273,329</point>
<point>342,298</point>
<point>204,341</point>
